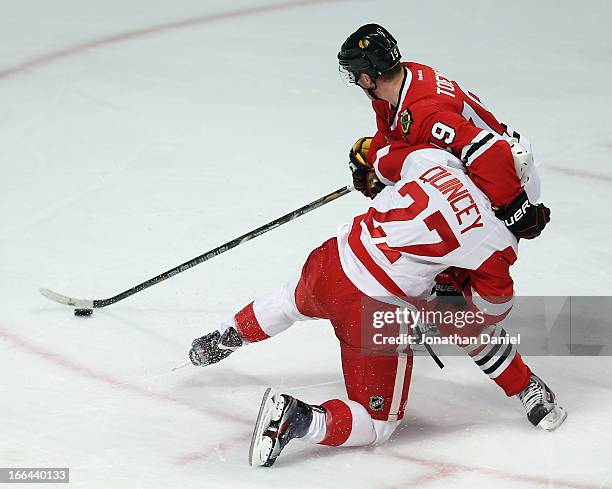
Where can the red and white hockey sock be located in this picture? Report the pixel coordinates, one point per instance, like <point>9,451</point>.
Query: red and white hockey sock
<point>347,424</point>
<point>344,423</point>
<point>501,362</point>
<point>269,314</point>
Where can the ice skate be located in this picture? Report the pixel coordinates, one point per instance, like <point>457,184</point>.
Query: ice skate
<point>541,405</point>
<point>281,418</point>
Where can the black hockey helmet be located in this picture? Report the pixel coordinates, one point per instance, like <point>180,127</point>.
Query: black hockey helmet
<point>370,49</point>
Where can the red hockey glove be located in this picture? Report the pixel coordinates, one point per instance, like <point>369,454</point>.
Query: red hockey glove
<point>524,219</point>
<point>364,177</point>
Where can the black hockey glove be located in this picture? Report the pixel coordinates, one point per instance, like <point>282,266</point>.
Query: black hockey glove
<point>364,177</point>
<point>214,347</point>
<point>524,219</point>
<point>446,288</point>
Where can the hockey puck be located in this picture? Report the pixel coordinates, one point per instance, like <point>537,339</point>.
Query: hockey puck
<point>83,312</point>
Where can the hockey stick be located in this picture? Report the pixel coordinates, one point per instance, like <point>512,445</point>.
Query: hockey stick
<point>87,304</point>
<point>428,347</point>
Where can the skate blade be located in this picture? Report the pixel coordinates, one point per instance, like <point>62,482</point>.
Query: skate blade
<point>261,446</point>
<point>554,419</point>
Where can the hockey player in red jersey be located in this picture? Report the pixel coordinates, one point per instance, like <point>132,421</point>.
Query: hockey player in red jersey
<point>429,218</point>
<point>417,104</point>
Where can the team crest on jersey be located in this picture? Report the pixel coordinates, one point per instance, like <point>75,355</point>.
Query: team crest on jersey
<point>406,120</point>
<point>377,403</point>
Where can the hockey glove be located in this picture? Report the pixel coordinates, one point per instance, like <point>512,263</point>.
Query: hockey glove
<point>450,285</point>
<point>524,219</point>
<point>446,285</point>
<point>215,346</point>
<point>364,177</point>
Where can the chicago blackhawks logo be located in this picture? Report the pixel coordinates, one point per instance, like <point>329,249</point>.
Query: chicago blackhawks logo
<point>406,120</point>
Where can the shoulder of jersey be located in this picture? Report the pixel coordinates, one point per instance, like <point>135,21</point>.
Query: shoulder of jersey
<point>421,74</point>
<point>412,66</point>
<point>422,83</point>
<point>421,99</point>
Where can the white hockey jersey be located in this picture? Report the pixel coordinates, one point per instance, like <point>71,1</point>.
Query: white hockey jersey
<point>433,218</point>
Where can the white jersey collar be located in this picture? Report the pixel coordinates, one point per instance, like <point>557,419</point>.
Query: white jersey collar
<point>403,93</point>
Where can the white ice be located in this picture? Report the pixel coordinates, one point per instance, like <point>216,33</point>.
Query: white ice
<point>123,155</point>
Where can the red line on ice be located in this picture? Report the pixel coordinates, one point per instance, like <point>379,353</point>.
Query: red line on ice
<point>575,172</point>
<point>87,372</point>
<point>206,453</point>
<point>66,52</point>
<point>445,469</point>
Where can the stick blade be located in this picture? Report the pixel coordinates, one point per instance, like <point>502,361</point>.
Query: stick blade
<point>67,301</point>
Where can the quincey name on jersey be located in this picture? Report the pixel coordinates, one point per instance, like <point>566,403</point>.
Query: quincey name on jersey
<point>431,217</point>
<point>435,110</point>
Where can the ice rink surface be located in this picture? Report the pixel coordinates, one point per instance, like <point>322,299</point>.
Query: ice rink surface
<point>136,135</point>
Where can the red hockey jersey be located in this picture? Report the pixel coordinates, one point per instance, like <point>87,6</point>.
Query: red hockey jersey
<point>435,110</point>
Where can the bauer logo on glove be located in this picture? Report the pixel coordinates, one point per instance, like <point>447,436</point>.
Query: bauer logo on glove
<point>524,219</point>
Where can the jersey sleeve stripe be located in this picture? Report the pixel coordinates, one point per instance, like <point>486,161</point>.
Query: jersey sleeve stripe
<point>377,168</point>
<point>476,148</point>
<point>248,325</point>
<point>479,137</point>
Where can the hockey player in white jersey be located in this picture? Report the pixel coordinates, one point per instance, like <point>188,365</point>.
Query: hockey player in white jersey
<point>430,217</point>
